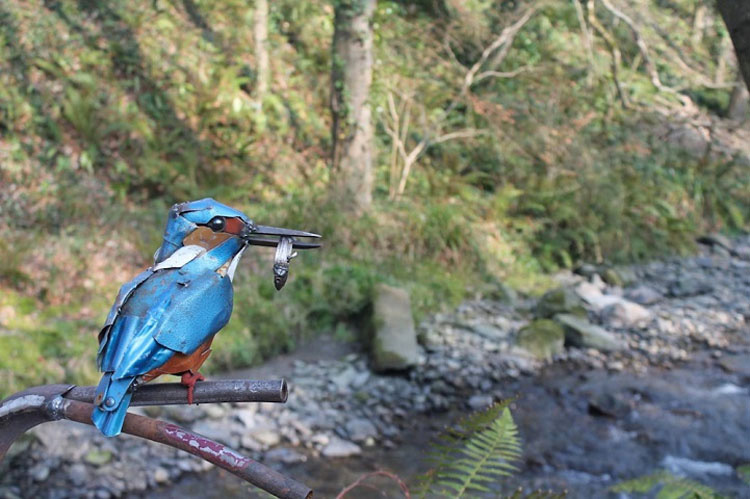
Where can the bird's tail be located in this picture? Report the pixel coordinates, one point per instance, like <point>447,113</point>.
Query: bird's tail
<point>111,404</point>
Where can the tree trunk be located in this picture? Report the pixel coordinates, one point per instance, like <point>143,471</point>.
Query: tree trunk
<point>736,15</point>
<point>738,102</point>
<point>352,131</point>
<point>260,33</point>
<point>699,23</point>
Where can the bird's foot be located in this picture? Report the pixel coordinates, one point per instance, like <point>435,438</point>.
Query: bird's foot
<point>189,379</point>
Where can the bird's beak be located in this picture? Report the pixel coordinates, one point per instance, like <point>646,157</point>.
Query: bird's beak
<point>285,242</point>
<point>252,234</point>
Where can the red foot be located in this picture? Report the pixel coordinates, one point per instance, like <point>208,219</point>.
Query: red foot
<point>189,379</point>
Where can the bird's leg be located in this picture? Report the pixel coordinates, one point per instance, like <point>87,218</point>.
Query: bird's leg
<point>189,379</point>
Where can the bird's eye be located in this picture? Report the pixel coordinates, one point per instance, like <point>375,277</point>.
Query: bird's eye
<point>216,224</point>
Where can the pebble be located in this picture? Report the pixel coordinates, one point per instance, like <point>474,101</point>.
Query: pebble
<point>338,447</point>
<point>161,475</point>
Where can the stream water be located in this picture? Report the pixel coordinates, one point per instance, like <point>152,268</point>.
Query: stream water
<point>582,430</point>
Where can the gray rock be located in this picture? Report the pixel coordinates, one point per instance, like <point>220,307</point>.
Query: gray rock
<point>689,286</point>
<point>592,295</point>
<point>360,429</point>
<point>581,333</point>
<point>395,342</point>
<point>716,239</point>
<point>681,466</point>
<point>559,301</point>
<point>626,314</point>
<point>542,338</point>
<point>345,378</point>
<point>284,455</point>
<point>266,437</point>
<point>608,404</point>
<point>338,447</point>
<point>479,402</point>
<point>39,472</point>
<point>488,331</point>
<point>587,270</point>
<point>743,252</point>
<point>78,474</point>
<point>643,295</point>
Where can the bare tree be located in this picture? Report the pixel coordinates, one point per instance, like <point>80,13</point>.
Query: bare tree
<point>736,15</point>
<point>260,34</point>
<point>351,76</point>
<point>406,147</point>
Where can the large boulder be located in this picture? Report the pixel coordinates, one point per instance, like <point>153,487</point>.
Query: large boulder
<point>626,314</point>
<point>394,345</point>
<point>542,338</point>
<point>559,301</point>
<point>579,332</point>
<point>592,295</point>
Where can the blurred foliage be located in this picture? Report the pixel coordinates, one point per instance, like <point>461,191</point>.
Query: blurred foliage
<point>112,110</point>
<point>668,486</point>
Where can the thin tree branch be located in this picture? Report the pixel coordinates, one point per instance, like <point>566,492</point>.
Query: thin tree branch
<point>586,36</point>
<point>502,74</point>
<point>613,49</point>
<point>388,474</point>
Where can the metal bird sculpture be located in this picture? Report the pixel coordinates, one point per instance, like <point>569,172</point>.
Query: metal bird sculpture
<point>164,320</point>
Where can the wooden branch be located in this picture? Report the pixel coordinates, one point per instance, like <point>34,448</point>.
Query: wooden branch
<point>586,36</point>
<point>502,74</point>
<point>643,49</point>
<point>505,38</point>
<point>358,482</point>
<point>614,51</point>
<point>461,134</point>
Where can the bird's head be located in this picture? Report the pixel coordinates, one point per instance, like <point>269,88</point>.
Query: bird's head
<point>209,222</point>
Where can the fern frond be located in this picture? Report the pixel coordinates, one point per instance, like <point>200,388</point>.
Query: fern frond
<point>487,438</point>
<point>485,457</point>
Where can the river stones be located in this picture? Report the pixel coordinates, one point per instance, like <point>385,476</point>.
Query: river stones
<point>689,285</point>
<point>543,338</point>
<point>394,346</point>
<point>338,447</point>
<point>581,333</point>
<point>625,313</point>
<point>643,295</point>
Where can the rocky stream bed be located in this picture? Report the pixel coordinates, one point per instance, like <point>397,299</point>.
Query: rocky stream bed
<point>617,373</point>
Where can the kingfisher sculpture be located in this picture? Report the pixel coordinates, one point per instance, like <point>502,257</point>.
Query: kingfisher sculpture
<point>164,320</point>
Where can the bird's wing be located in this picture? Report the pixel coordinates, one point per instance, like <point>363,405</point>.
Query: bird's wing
<point>178,259</point>
<point>171,311</point>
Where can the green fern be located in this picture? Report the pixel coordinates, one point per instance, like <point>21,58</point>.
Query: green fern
<point>743,471</point>
<point>480,450</point>
<point>672,487</point>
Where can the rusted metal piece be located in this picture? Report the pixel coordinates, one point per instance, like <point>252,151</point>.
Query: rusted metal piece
<point>175,436</point>
<point>22,411</point>
<point>284,254</point>
<point>205,392</point>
